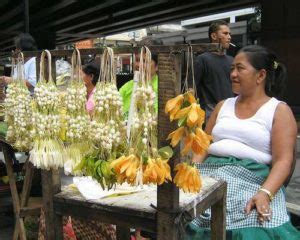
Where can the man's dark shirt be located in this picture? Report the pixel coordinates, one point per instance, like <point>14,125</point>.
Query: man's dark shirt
<point>212,79</point>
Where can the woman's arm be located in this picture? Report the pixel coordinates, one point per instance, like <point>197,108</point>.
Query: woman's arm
<point>284,133</point>
<point>283,138</point>
<point>208,129</point>
<point>7,80</point>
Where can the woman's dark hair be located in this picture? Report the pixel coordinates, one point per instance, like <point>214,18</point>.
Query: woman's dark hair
<point>92,69</point>
<point>262,58</point>
<point>154,58</point>
<point>25,42</point>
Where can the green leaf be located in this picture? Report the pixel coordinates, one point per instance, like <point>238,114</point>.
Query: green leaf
<point>165,152</point>
<point>182,122</point>
<point>185,104</point>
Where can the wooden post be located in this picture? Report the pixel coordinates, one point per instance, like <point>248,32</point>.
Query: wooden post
<point>123,233</point>
<point>53,66</point>
<point>218,218</point>
<point>51,186</point>
<point>169,74</point>
<point>19,230</point>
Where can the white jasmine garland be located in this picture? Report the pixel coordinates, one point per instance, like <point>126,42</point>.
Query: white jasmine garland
<point>48,152</point>
<point>18,115</point>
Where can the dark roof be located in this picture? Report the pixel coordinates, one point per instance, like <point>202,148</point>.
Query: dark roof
<point>67,21</point>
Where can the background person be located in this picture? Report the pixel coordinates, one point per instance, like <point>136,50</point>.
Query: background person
<point>254,136</point>
<point>212,69</point>
<point>25,42</point>
<point>90,76</point>
<point>126,89</point>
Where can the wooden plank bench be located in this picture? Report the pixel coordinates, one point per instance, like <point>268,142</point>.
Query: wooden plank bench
<point>136,210</point>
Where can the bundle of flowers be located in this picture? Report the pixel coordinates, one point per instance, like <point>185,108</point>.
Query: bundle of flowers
<point>75,119</point>
<point>18,109</point>
<point>190,118</point>
<point>48,151</point>
<point>143,163</point>
<point>107,127</point>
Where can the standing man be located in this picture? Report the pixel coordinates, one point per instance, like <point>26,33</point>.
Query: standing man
<point>212,69</point>
<point>25,42</point>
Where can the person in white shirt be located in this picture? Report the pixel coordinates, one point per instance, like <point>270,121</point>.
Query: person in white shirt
<point>254,136</point>
<point>25,42</point>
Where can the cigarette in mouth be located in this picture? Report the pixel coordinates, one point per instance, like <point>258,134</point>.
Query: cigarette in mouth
<point>232,44</point>
<point>266,214</point>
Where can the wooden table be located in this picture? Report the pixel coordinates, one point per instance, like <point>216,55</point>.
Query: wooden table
<point>135,210</point>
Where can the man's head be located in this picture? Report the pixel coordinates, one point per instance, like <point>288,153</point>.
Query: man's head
<point>25,42</point>
<point>219,32</point>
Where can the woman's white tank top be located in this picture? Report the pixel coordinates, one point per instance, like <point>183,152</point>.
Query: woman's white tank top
<point>244,138</point>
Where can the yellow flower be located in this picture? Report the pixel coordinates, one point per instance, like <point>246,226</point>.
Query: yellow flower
<point>198,142</point>
<point>173,105</point>
<point>190,97</point>
<point>194,114</point>
<point>157,171</point>
<point>126,168</point>
<point>176,135</point>
<point>187,178</point>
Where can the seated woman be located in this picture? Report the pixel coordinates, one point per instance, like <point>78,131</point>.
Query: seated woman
<point>254,136</point>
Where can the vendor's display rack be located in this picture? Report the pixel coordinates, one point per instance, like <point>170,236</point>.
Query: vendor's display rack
<point>169,206</point>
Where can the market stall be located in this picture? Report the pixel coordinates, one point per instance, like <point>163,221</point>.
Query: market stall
<point>163,210</point>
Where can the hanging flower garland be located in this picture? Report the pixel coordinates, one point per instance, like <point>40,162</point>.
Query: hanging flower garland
<point>107,127</point>
<point>190,118</point>
<point>143,162</point>
<point>48,151</point>
<point>18,108</point>
<point>75,119</point>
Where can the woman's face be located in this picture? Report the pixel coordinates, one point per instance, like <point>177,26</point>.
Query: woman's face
<point>244,77</point>
<point>87,78</point>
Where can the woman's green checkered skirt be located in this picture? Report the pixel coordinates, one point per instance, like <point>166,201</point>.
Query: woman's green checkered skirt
<point>244,177</point>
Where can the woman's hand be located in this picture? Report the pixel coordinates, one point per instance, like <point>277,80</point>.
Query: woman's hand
<point>261,202</point>
<point>5,80</point>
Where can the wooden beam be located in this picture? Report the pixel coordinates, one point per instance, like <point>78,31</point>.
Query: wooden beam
<point>79,35</point>
<point>82,24</point>
<point>156,19</point>
<point>118,50</point>
<point>9,15</point>
<point>85,12</point>
<point>116,14</point>
<point>50,10</point>
<point>145,16</point>
<point>138,8</point>
<point>30,211</point>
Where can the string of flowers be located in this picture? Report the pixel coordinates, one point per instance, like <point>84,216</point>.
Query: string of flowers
<point>75,119</point>
<point>18,108</point>
<point>143,163</point>
<point>48,151</point>
<point>190,118</point>
<point>107,127</point>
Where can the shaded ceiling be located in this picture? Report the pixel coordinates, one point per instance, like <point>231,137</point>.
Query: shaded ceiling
<point>59,22</point>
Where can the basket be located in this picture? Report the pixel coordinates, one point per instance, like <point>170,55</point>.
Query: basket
<point>84,229</point>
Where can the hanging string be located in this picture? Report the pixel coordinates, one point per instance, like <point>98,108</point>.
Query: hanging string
<point>19,67</point>
<point>190,69</point>
<point>42,66</point>
<point>107,67</point>
<point>76,66</point>
<point>186,85</point>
